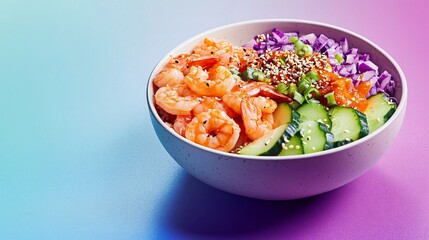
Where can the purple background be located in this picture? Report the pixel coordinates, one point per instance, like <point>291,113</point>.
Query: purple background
<point>79,158</point>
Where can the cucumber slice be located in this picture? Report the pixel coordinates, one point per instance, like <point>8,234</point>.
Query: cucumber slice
<point>284,114</point>
<point>292,147</point>
<point>268,145</point>
<point>314,111</point>
<point>348,124</point>
<point>271,143</point>
<point>379,110</point>
<point>315,136</point>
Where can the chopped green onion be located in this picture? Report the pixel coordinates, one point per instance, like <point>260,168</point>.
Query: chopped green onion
<point>293,39</point>
<point>234,72</point>
<point>301,48</point>
<point>292,89</point>
<point>308,94</point>
<point>304,50</point>
<point>298,97</point>
<point>339,58</point>
<point>260,76</point>
<point>282,88</point>
<point>282,61</point>
<point>313,75</point>
<point>303,84</point>
<point>295,104</point>
<point>247,74</point>
<point>330,97</point>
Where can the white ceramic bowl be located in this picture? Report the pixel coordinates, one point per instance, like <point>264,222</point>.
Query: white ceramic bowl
<point>281,178</point>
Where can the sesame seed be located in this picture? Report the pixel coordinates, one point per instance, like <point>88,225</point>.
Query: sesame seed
<point>346,131</point>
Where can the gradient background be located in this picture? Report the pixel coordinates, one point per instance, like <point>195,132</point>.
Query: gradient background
<point>79,158</point>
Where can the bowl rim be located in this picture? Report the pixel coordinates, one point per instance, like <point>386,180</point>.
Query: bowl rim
<point>401,105</point>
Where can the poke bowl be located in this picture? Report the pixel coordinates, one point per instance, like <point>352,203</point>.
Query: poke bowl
<point>295,109</point>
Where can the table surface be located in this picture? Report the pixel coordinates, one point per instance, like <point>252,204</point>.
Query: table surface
<point>80,159</point>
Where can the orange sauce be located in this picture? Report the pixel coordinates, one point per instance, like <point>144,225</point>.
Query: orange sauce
<point>346,94</point>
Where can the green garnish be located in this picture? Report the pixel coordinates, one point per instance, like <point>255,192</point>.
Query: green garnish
<point>282,88</point>
<point>330,97</point>
<point>282,61</point>
<point>339,58</point>
<point>308,94</point>
<point>304,83</point>
<point>313,75</point>
<point>234,72</point>
<point>292,90</point>
<point>301,49</point>
<point>260,76</point>
<point>298,97</point>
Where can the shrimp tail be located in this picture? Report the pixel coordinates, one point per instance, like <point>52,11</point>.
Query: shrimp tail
<point>204,62</point>
<point>268,91</point>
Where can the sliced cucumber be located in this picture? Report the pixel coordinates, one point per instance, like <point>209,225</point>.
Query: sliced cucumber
<point>282,114</point>
<point>285,114</point>
<point>315,136</point>
<point>314,111</point>
<point>271,143</point>
<point>348,124</point>
<point>379,110</point>
<point>267,145</point>
<point>292,147</point>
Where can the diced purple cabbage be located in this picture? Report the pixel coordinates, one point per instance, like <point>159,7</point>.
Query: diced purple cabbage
<point>364,66</point>
<point>356,66</point>
<point>320,42</point>
<point>309,38</point>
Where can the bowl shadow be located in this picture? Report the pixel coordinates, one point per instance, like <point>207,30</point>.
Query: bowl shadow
<point>196,209</point>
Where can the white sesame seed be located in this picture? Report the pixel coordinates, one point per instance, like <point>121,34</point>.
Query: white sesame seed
<point>346,131</point>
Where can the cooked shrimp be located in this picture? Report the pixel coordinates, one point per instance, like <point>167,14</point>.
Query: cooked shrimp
<point>213,129</point>
<point>257,116</point>
<point>180,123</point>
<point>210,47</point>
<point>233,100</point>
<point>170,76</point>
<point>219,84</point>
<point>175,70</point>
<point>246,89</point>
<point>241,58</point>
<point>208,103</point>
<point>177,99</point>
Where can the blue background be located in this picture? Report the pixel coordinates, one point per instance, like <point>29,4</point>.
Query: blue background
<point>79,158</point>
